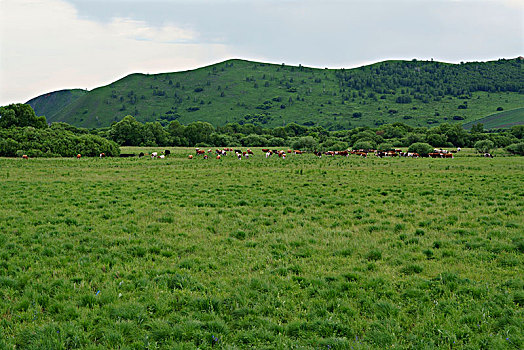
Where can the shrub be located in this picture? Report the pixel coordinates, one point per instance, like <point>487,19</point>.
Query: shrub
<point>307,143</point>
<point>484,146</point>
<point>363,144</point>
<point>385,147</point>
<point>421,148</point>
<point>516,148</point>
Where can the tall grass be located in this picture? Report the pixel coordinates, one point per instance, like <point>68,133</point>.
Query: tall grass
<point>264,253</point>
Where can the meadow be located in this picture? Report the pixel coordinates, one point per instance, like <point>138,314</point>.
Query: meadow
<point>301,253</point>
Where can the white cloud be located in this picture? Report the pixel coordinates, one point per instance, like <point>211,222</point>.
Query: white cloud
<point>45,46</point>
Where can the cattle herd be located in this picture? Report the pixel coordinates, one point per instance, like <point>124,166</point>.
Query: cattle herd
<point>437,153</point>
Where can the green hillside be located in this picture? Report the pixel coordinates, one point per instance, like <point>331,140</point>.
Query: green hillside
<point>51,103</point>
<point>419,93</point>
<point>501,120</point>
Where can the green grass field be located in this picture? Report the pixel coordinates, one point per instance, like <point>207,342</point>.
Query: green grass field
<point>303,253</point>
<point>501,120</point>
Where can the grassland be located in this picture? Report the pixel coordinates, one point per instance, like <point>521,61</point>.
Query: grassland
<point>501,120</point>
<point>331,253</point>
<point>273,95</point>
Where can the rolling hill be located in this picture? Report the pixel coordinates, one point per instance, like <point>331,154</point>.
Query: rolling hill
<point>418,93</point>
<point>500,120</point>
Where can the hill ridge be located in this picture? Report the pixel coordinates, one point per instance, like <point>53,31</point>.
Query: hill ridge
<point>417,92</point>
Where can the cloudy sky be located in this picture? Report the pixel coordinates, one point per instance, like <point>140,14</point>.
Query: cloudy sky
<point>49,45</point>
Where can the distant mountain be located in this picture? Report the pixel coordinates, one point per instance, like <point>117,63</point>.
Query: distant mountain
<point>418,93</point>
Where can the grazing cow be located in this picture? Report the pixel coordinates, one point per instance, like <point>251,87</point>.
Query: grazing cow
<point>265,150</point>
<point>200,151</point>
<point>362,154</point>
<point>167,152</point>
<point>298,151</point>
<point>268,154</point>
<point>448,155</point>
<point>161,156</point>
<point>205,156</point>
<point>190,156</point>
<point>318,154</point>
<point>78,156</point>
<point>102,155</point>
<point>25,156</point>
<point>239,156</point>
<point>218,156</point>
<point>289,151</point>
<point>154,155</point>
<point>141,154</point>
<point>488,155</point>
<point>249,151</point>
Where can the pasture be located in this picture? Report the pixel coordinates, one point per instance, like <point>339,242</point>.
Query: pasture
<point>305,253</point>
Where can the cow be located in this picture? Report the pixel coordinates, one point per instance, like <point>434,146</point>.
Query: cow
<point>25,156</point>
<point>200,151</point>
<point>249,151</point>
<point>488,155</point>
<point>265,150</point>
<point>154,155</point>
<point>218,156</point>
<point>102,155</point>
<point>362,154</point>
<point>190,156</point>
<point>161,156</point>
<point>448,155</point>
<point>167,152</point>
<point>268,154</point>
<point>141,154</point>
<point>318,154</point>
<point>205,156</point>
<point>78,156</point>
<point>298,151</point>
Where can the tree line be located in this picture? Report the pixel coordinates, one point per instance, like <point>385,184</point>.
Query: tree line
<point>130,132</point>
<point>428,79</point>
<point>21,131</point>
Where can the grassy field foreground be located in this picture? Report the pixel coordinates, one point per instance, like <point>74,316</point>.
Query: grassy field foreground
<point>331,253</point>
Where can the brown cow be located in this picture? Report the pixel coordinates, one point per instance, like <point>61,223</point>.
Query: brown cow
<point>25,156</point>
<point>78,156</point>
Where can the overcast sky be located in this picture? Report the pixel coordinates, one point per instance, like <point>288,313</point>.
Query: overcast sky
<point>49,45</point>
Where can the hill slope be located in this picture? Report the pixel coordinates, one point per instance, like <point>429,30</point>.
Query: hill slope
<point>415,92</point>
<point>500,120</point>
<point>51,103</point>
